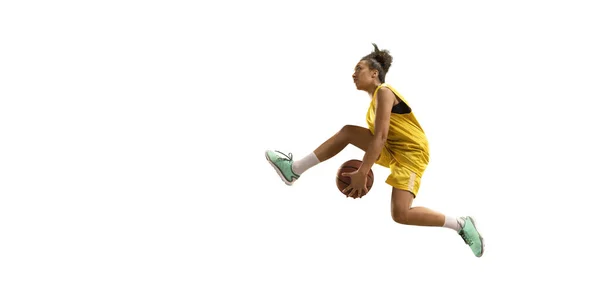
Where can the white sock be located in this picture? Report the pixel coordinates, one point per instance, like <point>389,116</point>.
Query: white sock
<point>309,161</point>
<point>453,223</point>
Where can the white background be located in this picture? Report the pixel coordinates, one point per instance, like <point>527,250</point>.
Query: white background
<point>132,136</point>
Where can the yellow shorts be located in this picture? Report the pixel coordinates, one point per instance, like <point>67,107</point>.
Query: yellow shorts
<point>400,176</point>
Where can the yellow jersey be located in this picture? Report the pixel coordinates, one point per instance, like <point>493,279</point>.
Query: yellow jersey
<point>406,140</point>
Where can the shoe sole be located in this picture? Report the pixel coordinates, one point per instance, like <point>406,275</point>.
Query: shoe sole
<point>480,236</point>
<point>278,171</point>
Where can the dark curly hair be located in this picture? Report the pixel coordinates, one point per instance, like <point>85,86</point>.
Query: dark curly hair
<point>380,60</point>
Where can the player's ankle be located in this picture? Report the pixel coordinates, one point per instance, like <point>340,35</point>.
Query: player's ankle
<point>453,223</point>
<point>307,162</point>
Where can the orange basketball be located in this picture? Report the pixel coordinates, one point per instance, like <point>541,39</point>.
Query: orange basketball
<point>347,167</point>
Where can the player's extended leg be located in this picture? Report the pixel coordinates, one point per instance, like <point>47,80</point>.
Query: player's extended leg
<point>290,170</point>
<point>404,213</point>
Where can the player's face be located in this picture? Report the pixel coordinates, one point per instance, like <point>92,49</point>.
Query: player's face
<point>363,76</point>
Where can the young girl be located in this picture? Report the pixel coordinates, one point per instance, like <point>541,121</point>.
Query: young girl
<point>394,139</point>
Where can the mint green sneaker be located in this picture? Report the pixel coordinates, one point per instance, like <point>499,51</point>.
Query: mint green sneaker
<point>283,165</point>
<point>471,236</point>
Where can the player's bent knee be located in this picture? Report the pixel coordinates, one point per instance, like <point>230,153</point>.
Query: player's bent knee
<point>346,131</point>
<point>400,216</point>
<point>356,135</point>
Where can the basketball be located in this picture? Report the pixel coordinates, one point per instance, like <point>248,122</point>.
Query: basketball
<point>347,167</point>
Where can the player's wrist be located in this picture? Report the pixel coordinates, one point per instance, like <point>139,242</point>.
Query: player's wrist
<point>364,170</point>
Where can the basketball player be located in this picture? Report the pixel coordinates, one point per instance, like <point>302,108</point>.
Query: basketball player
<point>394,139</point>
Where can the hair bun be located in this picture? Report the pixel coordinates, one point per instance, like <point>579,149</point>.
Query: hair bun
<point>382,57</point>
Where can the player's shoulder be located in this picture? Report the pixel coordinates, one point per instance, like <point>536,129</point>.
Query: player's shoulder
<point>386,88</point>
<point>385,91</point>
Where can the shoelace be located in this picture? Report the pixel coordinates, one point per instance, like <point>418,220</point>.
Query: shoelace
<point>287,157</point>
<point>465,238</point>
